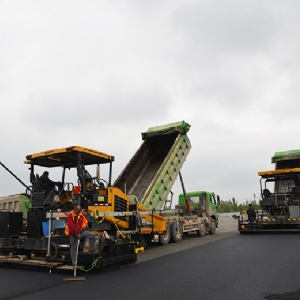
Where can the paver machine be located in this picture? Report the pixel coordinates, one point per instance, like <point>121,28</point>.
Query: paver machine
<point>280,196</point>
<point>39,239</point>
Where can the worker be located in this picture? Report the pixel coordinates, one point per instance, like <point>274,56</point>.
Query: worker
<point>251,216</point>
<point>76,228</point>
<point>89,185</point>
<point>46,183</point>
<point>90,191</point>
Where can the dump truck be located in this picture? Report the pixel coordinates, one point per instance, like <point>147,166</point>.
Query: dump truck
<point>148,178</point>
<point>280,196</point>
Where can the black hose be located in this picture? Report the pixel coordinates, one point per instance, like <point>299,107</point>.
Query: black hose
<point>55,248</point>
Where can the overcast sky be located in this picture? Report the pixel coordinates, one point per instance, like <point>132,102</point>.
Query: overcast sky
<point>99,73</point>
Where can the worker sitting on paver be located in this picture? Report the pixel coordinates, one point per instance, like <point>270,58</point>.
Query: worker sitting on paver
<point>89,185</point>
<point>46,183</point>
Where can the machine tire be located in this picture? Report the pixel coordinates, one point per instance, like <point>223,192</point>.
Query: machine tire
<point>212,228</point>
<point>164,239</point>
<point>176,232</point>
<point>201,231</point>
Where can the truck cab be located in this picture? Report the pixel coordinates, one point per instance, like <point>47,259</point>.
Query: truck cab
<point>203,204</point>
<point>201,200</point>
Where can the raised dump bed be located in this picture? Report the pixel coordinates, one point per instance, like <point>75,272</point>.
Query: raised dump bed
<point>153,169</point>
<point>286,159</point>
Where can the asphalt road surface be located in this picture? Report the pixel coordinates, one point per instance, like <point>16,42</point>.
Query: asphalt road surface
<point>226,265</point>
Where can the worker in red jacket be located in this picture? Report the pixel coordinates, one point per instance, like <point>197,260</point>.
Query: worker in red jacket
<point>76,229</point>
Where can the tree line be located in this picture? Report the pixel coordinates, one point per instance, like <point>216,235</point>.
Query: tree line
<point>233,206</point>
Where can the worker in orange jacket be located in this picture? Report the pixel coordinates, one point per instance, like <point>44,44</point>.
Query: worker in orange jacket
<point>76,226</point>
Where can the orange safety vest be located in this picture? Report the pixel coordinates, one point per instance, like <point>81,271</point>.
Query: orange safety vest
<point>83,223</point>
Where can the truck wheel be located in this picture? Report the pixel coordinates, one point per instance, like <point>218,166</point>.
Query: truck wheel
<point>212,228</point>
<point>176,232</point>
<point>201,231</point>
<point>165,238</point>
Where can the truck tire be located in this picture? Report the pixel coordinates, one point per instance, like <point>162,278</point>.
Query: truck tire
<point>212,228</point>
<point>164,239</point>
<point>176,232</point>
<point>201,231</point>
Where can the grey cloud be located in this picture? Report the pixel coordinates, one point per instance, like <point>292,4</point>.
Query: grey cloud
<point>216,26</point>
<point>114,103</point>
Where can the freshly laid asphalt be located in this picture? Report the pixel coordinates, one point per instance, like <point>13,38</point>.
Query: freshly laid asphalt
<point>226,265</point>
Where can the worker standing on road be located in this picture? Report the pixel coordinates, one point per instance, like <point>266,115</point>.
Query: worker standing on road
<point>76,229</point>
<point>251,216</point>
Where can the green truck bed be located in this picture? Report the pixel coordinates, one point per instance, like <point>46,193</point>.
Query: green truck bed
<point>153,169</point>
<point>286,159</point>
